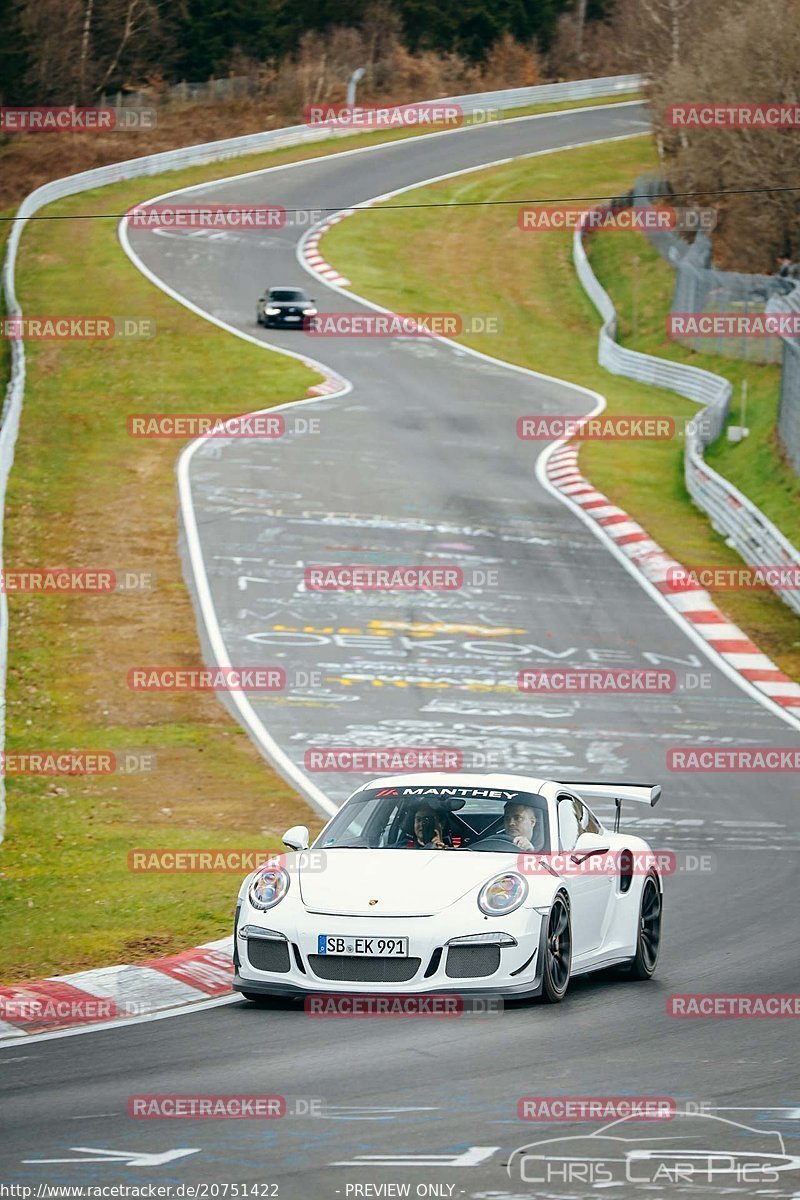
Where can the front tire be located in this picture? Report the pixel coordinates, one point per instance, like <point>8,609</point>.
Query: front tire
<point>557,951</point>
<point>648,934</point>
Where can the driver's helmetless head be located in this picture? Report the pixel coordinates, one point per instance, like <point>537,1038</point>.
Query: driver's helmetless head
<point>519,820</point>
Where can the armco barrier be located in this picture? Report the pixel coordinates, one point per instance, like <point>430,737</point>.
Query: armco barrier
<point>208,152</point>
<point>743,525</point>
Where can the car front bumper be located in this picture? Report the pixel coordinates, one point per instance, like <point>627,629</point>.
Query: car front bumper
<point>513,970</point>
<point>290,320</point>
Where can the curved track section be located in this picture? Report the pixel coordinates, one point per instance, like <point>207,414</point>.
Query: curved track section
<point>419,463</point>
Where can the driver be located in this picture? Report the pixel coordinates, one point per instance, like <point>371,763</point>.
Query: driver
<point>519,822</point>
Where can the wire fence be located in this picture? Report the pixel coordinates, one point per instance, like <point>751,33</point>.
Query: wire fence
<point>789,402</point>
<point>702,289</point>
<point>242,87</point>
<point>209,91</point>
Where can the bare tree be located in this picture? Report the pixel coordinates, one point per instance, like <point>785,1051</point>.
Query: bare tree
<point>580,23</point>
<point>669,17</point>
<point>86,35</point>
<point>750,54</point>
<point>139,17</point>
<point>53,31</point>
<point>77,48</point>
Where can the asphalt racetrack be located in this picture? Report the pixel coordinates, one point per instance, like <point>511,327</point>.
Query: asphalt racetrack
<point>419,463</point>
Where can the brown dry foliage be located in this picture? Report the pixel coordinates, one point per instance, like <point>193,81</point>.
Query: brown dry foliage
<point>641,36</point>
<point>316,73</point>
<point>711,51</point>
<point>750,54</point>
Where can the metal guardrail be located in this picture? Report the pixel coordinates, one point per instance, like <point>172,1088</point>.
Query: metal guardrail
<point>170,160</point>
<point>737,519</point>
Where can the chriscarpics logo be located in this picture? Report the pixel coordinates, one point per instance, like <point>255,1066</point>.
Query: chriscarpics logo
<point>691,1149</point>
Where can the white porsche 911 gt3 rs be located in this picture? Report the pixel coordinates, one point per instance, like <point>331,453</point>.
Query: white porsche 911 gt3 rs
<point>443,883</point>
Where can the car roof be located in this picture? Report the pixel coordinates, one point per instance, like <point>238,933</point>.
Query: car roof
<point>286,287</point>
<point>480,779</point>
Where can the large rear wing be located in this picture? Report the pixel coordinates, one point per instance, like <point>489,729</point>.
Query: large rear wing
<point>641,793</point>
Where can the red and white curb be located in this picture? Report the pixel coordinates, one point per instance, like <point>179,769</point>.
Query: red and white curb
<point>110,993</point>
<point>313,258</point>
<point>330,385</point>
<point>693,603</point>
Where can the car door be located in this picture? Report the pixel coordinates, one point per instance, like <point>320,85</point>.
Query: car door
<point>590,890</point>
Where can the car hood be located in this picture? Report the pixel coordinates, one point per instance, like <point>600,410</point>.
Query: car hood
<point>403,883</point>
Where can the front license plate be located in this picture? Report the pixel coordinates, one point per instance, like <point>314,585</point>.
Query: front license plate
<point>363,947</point>
<point>292,318</point>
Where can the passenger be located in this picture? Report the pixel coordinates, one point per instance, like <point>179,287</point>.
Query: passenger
<point>429,831</point>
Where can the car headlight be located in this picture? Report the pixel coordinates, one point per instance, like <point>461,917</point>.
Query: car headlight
<point>272,312</point>
<point>502,895</point>
<point>268,887</point>
<point>310,312</point>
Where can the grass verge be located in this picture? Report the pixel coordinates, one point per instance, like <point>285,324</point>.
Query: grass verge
<point>82,493</point>
<point>477,259</point>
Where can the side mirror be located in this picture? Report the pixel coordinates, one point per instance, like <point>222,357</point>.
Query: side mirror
<point>296,838</point>
<point>589,844</point>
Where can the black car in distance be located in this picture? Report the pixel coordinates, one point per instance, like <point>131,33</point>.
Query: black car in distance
<point>284,307</point>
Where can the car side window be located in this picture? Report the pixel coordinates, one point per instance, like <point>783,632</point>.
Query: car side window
<point>568,821</point>
<point>588,821</point>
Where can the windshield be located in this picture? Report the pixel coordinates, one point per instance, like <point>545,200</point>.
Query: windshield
<point>439,818</point>
<point>286,294</point>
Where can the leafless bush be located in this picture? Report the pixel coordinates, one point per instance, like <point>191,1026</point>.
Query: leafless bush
<point>319,70</point>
